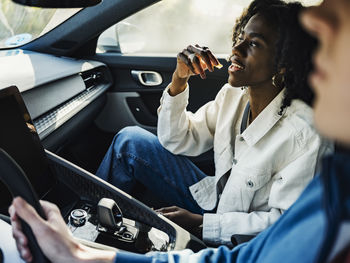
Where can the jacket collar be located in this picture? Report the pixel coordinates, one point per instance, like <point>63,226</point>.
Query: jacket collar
<point>264,121</point>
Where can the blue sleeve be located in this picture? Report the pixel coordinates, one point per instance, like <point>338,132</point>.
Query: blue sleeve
<point>128,257</point>
<point>222,254</point>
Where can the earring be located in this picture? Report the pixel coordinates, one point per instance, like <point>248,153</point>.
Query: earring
<point>274,81</point>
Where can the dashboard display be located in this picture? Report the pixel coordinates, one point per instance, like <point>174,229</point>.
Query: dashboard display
<point>20,140</point>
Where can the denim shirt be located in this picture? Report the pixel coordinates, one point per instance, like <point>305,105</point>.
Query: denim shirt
<point>304,233</point>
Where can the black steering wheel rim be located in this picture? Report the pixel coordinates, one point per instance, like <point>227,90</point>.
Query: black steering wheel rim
<point>18,184</point>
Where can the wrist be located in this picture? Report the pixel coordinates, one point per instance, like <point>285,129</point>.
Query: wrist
<point>198,231</point>
<point>84,254</point>
<point>178,84</point>
<point>199,220</point>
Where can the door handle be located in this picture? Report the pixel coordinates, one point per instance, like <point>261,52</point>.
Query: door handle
<point>147,78</point>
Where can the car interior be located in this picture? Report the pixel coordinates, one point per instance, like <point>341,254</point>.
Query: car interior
<point>61,103</point>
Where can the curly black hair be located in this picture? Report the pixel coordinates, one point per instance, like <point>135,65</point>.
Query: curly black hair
<point>294,46</point>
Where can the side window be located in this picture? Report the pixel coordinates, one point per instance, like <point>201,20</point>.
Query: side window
<point>170,25</point>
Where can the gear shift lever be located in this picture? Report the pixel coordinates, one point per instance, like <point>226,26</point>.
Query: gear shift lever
<point>109,214</point>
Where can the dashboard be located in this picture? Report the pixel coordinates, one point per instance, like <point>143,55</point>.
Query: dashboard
<point>55,89</point>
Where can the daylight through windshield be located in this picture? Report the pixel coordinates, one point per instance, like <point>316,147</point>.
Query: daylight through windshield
<point>21,24</point>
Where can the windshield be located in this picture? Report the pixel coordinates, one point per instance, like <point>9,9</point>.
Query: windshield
<point>22,24</point>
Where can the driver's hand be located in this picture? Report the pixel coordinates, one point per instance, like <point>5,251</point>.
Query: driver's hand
<point>53,235</point>
<point>184,218</point>
<point>194,60</point>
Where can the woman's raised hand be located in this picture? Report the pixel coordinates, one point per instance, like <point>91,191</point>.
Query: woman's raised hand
<point>194,60</point>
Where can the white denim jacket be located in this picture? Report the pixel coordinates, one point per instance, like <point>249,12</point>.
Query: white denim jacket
<point>271,162</point>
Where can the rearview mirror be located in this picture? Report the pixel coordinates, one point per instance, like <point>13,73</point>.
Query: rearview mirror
<point>58,3</point>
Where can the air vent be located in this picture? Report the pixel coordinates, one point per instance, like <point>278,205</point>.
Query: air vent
<point>92,78</point>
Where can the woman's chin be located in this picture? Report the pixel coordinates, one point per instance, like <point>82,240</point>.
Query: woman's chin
<point>234,83</point>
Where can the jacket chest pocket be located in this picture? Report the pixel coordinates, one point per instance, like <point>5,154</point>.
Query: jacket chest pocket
<point>249,181</point>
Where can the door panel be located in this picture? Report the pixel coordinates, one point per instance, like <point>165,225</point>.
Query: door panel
<point>118,113</point>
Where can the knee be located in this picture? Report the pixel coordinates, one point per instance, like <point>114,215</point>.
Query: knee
<point>133,137</point>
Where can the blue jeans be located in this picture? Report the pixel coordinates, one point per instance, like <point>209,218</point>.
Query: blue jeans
<point>136,158</point>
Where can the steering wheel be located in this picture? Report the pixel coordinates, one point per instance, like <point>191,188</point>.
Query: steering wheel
<point>18,184</point>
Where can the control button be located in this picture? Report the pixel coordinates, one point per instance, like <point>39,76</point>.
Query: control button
<point>78,217</point>
<point>127,236</point>
<point>250,183</point>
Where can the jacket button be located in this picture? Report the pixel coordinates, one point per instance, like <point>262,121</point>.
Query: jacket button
<point>241,138</point>
<point>250,184</point>
<point>234,161</point>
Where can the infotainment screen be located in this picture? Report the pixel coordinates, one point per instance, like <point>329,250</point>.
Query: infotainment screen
<point>20,140</point>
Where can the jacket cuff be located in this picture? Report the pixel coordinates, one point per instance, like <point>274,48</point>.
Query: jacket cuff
<point>180,100</point>
<point>211,228</point>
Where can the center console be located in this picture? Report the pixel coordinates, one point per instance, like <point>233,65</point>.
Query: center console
<point>106,225</point>
<point>102,214</point>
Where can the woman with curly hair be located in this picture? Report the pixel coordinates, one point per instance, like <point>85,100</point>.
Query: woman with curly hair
<point>259,125</point>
